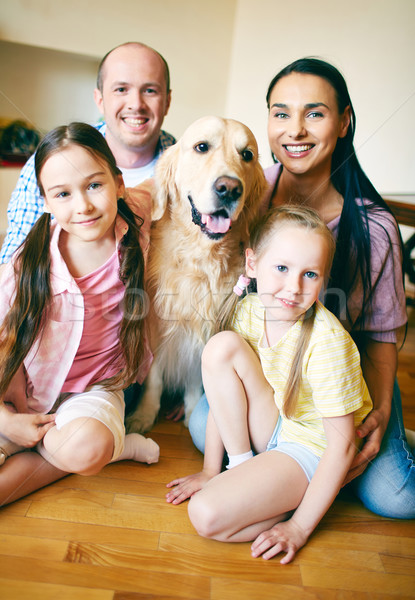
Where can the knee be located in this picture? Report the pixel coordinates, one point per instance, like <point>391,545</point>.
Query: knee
<point>84,454</point>
<point>93,456</point>
<point>220,349</point>
<point>204,517</point>
<point>387,488</point>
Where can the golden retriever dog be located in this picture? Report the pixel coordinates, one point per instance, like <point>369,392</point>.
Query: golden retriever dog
<point>208,188</point>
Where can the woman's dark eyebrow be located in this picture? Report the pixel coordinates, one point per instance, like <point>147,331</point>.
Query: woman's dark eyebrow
<point>308,106</point>
<point>315,105</point>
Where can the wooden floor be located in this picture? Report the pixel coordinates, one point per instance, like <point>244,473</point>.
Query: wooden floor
<point>113,537</point>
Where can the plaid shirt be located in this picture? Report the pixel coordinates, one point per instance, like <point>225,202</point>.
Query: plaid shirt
<point>49,360</point>
<point>26,204</point>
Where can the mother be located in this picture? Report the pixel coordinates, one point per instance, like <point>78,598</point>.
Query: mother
<point>311,127</point>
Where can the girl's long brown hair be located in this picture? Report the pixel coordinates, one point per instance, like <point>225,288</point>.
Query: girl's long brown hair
<point>262,232</point>
<point>26,319</point>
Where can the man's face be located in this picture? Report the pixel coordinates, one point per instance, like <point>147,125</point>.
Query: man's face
<point>134,99</point>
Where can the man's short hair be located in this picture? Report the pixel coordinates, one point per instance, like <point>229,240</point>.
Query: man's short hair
<point>100,78</point>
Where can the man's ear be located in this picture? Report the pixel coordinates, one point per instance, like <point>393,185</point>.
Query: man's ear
<point>168,102</point>
<point>250,263</point>
<point>99,100</point>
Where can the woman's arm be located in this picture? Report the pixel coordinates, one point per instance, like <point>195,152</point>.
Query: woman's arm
<point>379,364</point>
<point>289,536</point>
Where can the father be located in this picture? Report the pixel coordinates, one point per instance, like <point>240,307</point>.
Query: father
<point>133,94</point>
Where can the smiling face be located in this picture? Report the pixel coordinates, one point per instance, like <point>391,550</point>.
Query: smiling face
<point>289,272</point>
<point>81,192</point>
<point>134,101</point>
<point>304,123</point>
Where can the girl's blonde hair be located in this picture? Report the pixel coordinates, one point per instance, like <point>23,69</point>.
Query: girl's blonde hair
<point>262,232</point>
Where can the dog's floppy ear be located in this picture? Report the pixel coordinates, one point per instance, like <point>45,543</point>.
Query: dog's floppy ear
<point>259,185</point>
<point>253,203</point>
<point>164,179</point>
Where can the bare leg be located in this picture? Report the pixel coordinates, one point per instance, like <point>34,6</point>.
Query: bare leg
<point>83,446</point>
<point>238,505</point>
<point>24,473</point>
<point>239,396</point>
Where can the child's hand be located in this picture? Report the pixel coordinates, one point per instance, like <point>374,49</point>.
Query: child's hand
<point>185,487</point>
<point>286,536</point>
<point>27,429</point>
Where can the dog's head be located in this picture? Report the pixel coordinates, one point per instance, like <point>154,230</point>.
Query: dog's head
<point>211,177</point>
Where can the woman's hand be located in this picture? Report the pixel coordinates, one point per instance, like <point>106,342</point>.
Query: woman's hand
<point>25,429</point>
<point>372,430</point>
<point>379,364</point>
<point>185,487</point>
<point>286,536</point>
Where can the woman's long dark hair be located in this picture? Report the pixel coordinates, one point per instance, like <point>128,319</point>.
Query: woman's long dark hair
<point>361,200</point>
<point>28,314</point>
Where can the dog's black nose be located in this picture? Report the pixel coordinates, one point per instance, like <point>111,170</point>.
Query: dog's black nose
<point>228,189</point>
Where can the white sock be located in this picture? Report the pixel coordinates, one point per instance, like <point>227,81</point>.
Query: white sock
<point>140,449</point>
<point>237,459</point>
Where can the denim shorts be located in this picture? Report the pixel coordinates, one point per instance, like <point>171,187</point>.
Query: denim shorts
<point>307,460</point>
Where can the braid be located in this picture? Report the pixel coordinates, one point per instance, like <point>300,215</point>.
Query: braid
<point>134,304</point>
<point>27,315</point>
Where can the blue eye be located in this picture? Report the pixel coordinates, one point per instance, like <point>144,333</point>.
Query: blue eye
<point>310,275</point>
<point>62,195</point>
<point>282,268</point>
<point>94,186</point>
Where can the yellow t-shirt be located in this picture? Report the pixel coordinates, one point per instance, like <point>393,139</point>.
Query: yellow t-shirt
<point>332,383</point>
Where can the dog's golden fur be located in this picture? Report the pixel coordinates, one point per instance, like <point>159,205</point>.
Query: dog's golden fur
<point>210,176</point>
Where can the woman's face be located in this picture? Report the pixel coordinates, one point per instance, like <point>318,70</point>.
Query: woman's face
<point>304,123</point>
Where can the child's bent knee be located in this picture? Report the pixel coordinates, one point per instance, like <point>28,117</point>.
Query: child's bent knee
<point>203,517</point>
<point>91,459</point>
<point>81,451</point>
<point>221,348</point>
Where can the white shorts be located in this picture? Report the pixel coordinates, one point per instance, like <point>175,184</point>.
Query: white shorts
<point>107,406</point>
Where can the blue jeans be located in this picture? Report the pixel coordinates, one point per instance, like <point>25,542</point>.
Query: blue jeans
<point>386,487</point>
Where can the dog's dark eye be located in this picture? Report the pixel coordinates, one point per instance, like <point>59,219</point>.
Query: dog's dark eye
<point>202,147</point>
<point>247,155</point>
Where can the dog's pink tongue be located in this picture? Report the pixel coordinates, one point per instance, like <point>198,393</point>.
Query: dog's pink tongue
<point>216,224</point>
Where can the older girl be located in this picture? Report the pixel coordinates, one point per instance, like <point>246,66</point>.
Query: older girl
<point>72,308</point>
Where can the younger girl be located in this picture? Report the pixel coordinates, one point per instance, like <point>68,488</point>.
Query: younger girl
<point>308,373</point>
<point>67,349</point>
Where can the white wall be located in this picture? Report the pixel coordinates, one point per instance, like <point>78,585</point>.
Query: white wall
<point>46,88</point>
<point>223,53</point>
<point>371,41</point>
<point>195,37</point>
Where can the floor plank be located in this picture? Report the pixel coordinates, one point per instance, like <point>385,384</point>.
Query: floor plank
<point>114,537</point>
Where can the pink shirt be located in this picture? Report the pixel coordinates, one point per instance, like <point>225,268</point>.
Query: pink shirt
<point>99,354</point>
<point>50,359</point>
<point>387,312</point>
